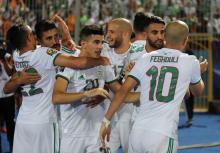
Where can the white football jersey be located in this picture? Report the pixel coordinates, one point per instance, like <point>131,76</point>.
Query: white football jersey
<point>164,76</point>
<point>76,118</point>
<point>67,51</point>
<point>3,79</point>
<point>139,42</point>
<point>134,55</point>
<point>118,62</point>
<point>37,104</point>
<point>137,50</point>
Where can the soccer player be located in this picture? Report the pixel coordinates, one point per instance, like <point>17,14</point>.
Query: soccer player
<point>149,33</point>
<point>79,123</point>
<point>154,36</point>
<point>118,51</point>
<point>48,36</point>
<point>35,129</point>
<point>164,76</point>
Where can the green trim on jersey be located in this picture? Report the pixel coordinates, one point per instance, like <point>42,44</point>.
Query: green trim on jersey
<point>195,82</point>
<point>24,93</point>
<point>61,76</point>
<point>55,59</point>
<point>111,81</point>
<point>137,48</point>
<point>67,50</point>
<point>54,138</point>
<point>170,146</point>
<point>56,143</point>
<point>136,79</point>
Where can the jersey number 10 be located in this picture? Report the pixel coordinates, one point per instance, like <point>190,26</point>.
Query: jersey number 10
<point>159,81</point>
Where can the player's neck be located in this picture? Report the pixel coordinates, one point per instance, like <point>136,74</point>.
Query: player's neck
<point>25,49</point>
<point>149,48</point>
<point>176,47</point>
<point>139,37</point>
<point>123,48</point>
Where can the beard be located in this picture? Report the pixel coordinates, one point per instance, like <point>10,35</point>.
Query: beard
<point>56,46</point>
<point>158,44</point>
<point>117,43</point>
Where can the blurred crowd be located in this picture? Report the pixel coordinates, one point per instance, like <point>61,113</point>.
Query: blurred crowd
<point>201,15</point>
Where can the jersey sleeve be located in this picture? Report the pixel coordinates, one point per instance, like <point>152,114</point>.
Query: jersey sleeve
<point>68,51</point>
<point>66,74</point>
<point>136,52</point>
<point>109,75</point>
<point>136,71</point>
<point>196,73</point>
<point>48,56</point>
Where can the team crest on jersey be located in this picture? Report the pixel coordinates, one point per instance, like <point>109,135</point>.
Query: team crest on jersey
<point>51,51</point>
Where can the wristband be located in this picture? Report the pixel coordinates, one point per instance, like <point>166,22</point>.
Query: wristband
<point>106,122</point>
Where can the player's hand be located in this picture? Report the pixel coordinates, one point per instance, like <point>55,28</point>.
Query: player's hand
<point>66,37</point>
<point>128,68</point>
<point>57,18</point>
<point>104,133</point>
<point>203,64</point>
<point>105,60</point>
<point>94,101</point>
<point>96,92</point>
<point>69,43</point>
<point>27,78</point>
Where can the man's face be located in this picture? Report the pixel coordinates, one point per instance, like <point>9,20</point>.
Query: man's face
<point>114,36</point>
<point>155,35</point>
<point>93,45</point>
<point>50,39</point>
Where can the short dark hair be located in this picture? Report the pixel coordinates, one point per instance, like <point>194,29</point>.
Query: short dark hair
<point>89,30</point>
<point>140,22</point>
<point>155,19</point>
<point>17,35</point>
<point>43,26</point>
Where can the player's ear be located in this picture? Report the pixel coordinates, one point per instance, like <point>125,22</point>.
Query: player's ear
<point>29,37</point>
<point>186,41</point>
<point>83,42</point>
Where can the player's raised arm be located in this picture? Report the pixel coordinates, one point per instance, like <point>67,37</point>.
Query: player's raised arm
<point>80,62</point>
<point>66,37</point>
